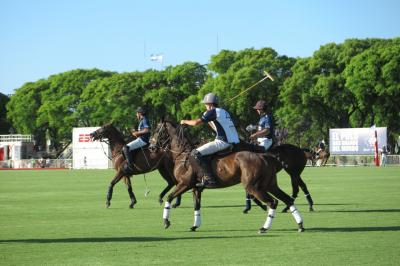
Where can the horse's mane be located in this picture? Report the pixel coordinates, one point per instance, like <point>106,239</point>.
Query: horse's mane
<point>182,135</point>
<point>119,136</point>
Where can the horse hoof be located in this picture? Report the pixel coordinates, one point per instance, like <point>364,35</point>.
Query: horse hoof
<point>301,228</point>
<point>131,206</point>
<point>193,228</point>
<point>108,205</point>
<point>175,205</point>
<point>311,209</point>
<point>264,207</point>
<point>160,201</point>
<point>262,230</point>
<point>167,223</point>
<point>245,211</point>
<point>285,209</point>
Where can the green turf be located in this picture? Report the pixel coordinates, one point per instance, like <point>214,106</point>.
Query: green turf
<point>58,217</point>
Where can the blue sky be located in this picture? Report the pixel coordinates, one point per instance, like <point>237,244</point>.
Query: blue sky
<point>42,37</point>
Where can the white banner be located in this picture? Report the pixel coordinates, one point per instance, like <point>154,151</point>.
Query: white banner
<point>356,140</point>
<point>88,154</point>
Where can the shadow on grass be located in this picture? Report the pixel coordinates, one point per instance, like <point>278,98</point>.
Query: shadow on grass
<point>361,211</point>
<point>350,229</point>
<point>117,239</point>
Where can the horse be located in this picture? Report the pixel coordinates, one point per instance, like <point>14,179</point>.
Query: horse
<point>310,155</point>
<point>290,158</point>
<point>144,161</point>
<point>321,157</point>
<point>256,172</point>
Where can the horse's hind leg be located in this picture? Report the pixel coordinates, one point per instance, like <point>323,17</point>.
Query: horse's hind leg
<point>114,181</point>
<point>277,192</point>
<point>130,192</point>
<point>272,204</point>
<point>248,203</point>
<point>303,187</point>
<point>295,190</point>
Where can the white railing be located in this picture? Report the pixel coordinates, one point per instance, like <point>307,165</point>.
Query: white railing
<point>36,164</point>
<point>16,137</point>
<point>359,160</point>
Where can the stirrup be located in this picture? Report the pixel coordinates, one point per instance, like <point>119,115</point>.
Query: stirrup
<point>207,182</point>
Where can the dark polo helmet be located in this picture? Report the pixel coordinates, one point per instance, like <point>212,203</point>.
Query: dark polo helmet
<point>260,105</point>
<point>141,110</point>
<point>210,98</point>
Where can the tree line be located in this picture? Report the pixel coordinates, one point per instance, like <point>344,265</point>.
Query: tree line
<point>352,84</point>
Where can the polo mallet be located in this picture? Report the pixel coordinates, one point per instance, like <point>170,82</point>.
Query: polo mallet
<point>266,76</point>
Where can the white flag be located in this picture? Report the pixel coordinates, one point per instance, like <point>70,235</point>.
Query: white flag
<point>156,57</point>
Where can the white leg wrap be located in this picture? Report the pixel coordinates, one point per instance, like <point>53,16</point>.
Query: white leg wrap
<point>296,214</point>
<point>270,216</point>
<point>197,218</point>
<point>167,208</point>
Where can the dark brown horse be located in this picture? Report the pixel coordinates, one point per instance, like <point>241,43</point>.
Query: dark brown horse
<point>144,162</point>
<point>256,173</point>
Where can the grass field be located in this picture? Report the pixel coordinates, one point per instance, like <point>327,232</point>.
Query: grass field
<point>59,217</point>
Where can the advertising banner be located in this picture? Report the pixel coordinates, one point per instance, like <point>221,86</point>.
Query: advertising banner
<point>88,154</point>
<point>356,141</point>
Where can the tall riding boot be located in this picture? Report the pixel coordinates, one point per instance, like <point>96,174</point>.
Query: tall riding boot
<point>128,157</point>
<point>203,169</point>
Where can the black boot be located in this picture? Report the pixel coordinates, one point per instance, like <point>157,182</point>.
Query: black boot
<point>128,157</point>
<point>203,169</point>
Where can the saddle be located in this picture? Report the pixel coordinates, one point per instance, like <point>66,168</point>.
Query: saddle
<point>221,153</point>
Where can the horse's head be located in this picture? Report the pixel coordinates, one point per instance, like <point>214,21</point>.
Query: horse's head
<point>105,132</point>
<point>163,133</point>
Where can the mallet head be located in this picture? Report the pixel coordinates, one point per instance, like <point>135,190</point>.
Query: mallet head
<point>268,75</point>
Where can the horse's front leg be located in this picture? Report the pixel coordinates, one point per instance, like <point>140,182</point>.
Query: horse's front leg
<point>130,192</point>
<point>114,181</point>
<point>197,206</point>
<point>179,190</point>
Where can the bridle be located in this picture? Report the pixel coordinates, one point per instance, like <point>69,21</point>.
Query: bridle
<point>162,133</point>
<point>99,135</point>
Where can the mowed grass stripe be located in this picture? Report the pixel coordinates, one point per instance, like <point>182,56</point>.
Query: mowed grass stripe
<point>59,218</point>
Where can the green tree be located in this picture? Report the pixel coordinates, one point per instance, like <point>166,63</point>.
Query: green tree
<point>316,97</point>
<point>58,110</point>
<point>4,123</point>
<point>233,72</point>
<point>373,77</point>
<point>22,109</point>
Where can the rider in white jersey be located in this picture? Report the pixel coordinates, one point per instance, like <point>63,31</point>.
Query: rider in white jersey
<point>226,135</point>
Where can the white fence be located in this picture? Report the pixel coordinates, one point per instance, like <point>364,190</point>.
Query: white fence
<point>36,164</point>
<point>359,160</point>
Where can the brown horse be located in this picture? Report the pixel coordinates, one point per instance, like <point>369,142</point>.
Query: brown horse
<point>144,162</point>
<point>256,172</point>
<point>290,158</point>
<point>310,155</point>
<point>321,157</point>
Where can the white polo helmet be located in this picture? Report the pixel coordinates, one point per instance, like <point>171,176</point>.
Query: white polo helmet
<point>210,98</point>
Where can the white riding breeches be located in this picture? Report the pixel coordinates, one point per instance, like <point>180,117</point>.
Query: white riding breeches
<point>265,142</point>
<point>213,147</point>
<point>136,144</point>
